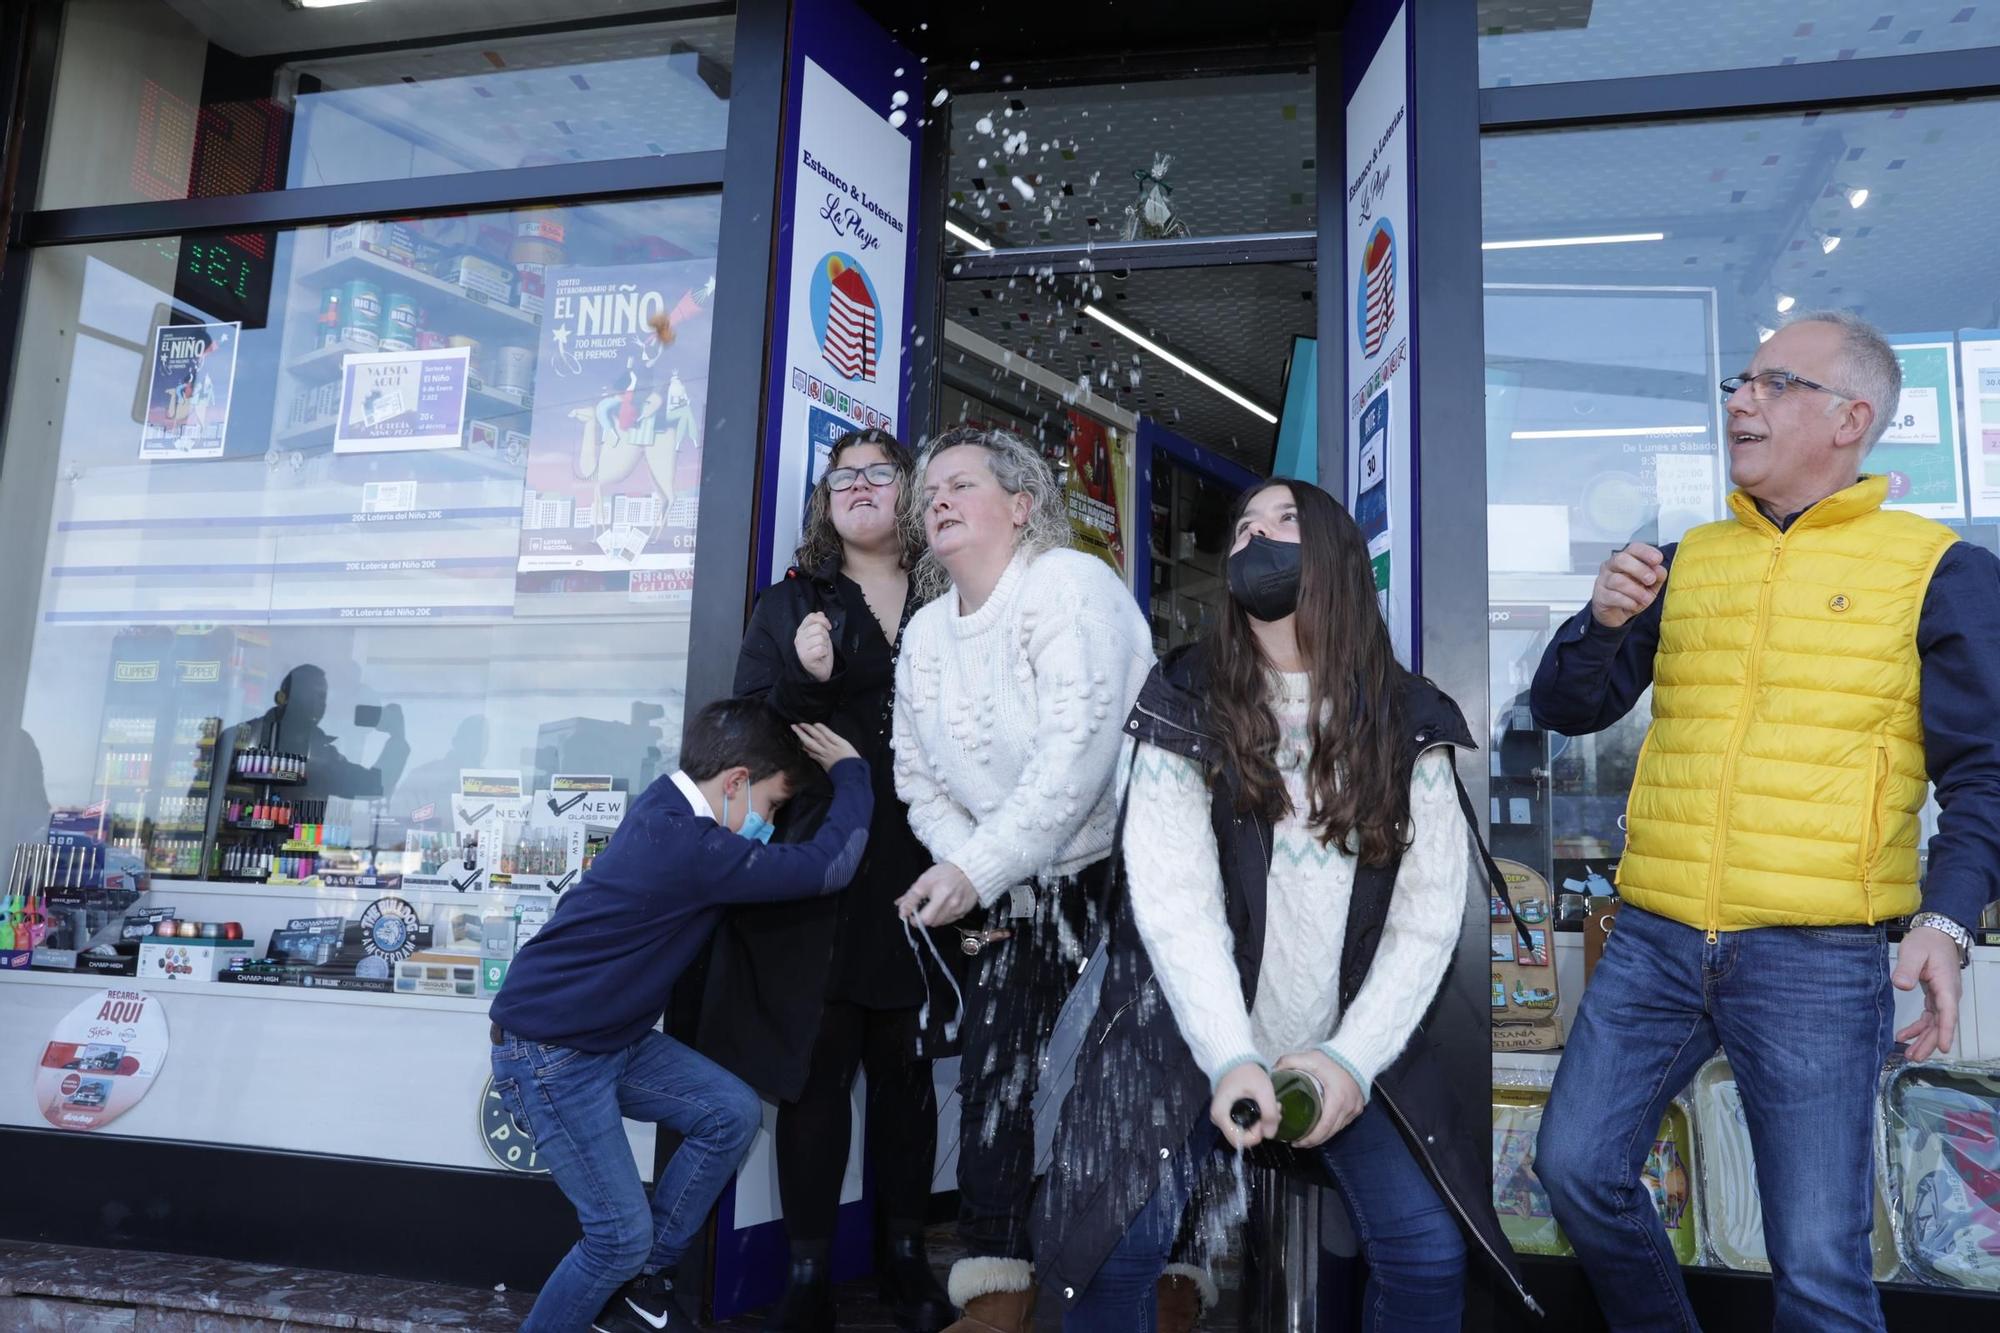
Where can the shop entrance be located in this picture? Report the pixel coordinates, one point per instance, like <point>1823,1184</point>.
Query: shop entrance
<point>1130,281</point>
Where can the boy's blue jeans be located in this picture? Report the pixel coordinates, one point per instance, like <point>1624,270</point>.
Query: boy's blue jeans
<point>1804,1015</point>
<point>574,1105</point>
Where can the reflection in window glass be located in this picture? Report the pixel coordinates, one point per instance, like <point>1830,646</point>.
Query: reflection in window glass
<point>346,547</point>
<point>1554,41</point>
<point>153,103</point>
<point>1603,419</point>
<point>1137,161</point>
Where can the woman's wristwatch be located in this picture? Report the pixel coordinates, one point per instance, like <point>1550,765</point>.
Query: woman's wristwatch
<point>1944,925</point>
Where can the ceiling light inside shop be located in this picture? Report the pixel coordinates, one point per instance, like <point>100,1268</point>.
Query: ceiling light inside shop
<point>1856,197</point>
<point>1192,372</point>
<point>1828,244</point>
<point>967,236</point>
<point>1608,432</point>
<point>1786,302</point>
<point>1548,242</point>
<point>1764,334</point>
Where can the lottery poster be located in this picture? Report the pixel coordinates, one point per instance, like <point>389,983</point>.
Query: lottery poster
<point>614,455</point>
<point>187,401</point>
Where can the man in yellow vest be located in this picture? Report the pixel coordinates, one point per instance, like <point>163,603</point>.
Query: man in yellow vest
<point>1817,661</point>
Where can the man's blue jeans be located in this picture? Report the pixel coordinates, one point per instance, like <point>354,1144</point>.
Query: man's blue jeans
<point>1804,1015</point>
<point>1416,1257</point>
<point>574,1105</point>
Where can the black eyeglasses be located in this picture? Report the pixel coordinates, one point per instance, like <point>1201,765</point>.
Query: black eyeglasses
<point>1771,385</point>
<point>878,474</point>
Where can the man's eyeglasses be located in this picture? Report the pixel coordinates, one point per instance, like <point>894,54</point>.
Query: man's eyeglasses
<point>878,474</point>
<point>1772,385</point>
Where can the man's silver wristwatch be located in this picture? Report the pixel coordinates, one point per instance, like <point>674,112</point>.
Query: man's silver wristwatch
<point>1938,921</point>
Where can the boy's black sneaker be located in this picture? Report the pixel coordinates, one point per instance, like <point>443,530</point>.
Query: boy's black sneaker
<point>646,1304</point>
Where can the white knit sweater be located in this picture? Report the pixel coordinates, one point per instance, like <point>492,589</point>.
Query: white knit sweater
<point>1177,898</point>
<point>1009,720</point>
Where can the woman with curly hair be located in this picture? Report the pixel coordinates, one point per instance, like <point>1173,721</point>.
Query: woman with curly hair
<point>1010,693</point>
<point>803,994</point>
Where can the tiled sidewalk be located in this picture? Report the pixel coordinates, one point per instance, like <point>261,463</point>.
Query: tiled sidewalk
<point>67,1289</point>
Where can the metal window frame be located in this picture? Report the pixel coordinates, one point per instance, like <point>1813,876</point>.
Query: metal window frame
<point>1825,85</point>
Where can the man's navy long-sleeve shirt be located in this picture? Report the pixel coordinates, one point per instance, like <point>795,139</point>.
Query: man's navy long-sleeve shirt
<point>1591,676</point>
<point>599,974</point>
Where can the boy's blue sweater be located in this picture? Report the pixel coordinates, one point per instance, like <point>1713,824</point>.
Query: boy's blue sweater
<point>598,975</point>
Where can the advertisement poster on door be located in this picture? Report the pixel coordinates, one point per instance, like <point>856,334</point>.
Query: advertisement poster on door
<point>187,402</point>
<point>614,447</point>
<point>1919,452</point>
<point>839,360</point>
<point>1979,373</point>
<point>391,402</point>
<point>101,1059</point>
<point>1379,324</point>
<point>1091,488</point>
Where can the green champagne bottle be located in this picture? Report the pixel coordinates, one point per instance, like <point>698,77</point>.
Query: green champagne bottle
<point>1300,1098</point>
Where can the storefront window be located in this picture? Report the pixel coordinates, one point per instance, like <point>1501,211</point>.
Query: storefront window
<point>155,101</point>
<point>1554,41</point>
<point>353,587</point>
<point>1140,161</point>
<point>1614,305</point>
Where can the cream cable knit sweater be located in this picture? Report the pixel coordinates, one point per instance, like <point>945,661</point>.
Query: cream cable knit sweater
<point>1009,721</point>
<point>1177,899</point>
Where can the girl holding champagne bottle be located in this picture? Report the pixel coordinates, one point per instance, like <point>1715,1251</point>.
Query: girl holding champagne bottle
<point>1297,865</point>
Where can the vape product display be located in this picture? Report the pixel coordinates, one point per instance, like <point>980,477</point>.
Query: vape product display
<point>259,765</point>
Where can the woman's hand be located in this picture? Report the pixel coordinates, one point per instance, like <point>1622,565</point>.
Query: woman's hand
<point>814,645</point>
<point>823,745</point>
<point>940,896</point>
<point>1343,1099</point>
<point>1246,1080</point>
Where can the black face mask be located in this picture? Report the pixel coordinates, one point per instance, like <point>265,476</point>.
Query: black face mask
<point>1264,578</point>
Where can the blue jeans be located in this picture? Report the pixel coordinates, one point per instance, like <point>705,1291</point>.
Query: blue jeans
<point>574,1105</point>
<point>1416,1257</point>
<point>1804,1015</point>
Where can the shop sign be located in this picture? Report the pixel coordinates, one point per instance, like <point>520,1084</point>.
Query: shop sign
<point>844,300</point>
<point>1378,245</point>
<point>101,1059</point>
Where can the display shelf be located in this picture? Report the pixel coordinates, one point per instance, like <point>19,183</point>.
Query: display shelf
<point>261,887</point>
<point>497,317</point>
<point>472,1008</point>
<point>319,434</point>
<point>266,780</point>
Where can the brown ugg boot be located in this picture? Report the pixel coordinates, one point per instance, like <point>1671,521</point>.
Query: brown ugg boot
<point>995,1295</point>
<point>1183,1295</point>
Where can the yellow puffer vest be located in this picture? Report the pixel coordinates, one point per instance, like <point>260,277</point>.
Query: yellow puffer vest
<point>1780,782</point>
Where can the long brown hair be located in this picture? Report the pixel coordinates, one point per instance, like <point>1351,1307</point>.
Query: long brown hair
<point>819,542</point>
<point>1358,796</point>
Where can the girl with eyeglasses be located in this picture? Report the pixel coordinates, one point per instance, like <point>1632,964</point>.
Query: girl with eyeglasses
<point>803,994</point>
